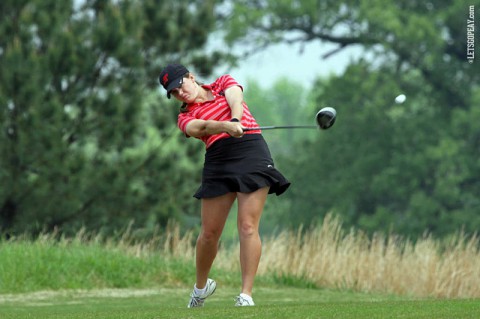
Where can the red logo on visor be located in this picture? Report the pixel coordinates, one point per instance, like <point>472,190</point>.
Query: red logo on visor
<point>165,78</point>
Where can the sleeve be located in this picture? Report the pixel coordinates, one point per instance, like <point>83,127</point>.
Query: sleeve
<point>226,81</point>
<point>183,120</point>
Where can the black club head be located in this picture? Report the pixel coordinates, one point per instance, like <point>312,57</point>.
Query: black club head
<point>326,117</point>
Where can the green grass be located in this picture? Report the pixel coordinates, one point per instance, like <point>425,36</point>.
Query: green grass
<point>272,303</point>
<point>31,266</point>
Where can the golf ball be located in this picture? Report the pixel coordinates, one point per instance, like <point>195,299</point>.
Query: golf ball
<point>400,99</point>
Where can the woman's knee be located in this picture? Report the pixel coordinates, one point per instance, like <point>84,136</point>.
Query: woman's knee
<point>247,229</point>
<point>210,235</point>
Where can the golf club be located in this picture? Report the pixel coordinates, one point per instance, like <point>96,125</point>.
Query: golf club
<point>325,118</point>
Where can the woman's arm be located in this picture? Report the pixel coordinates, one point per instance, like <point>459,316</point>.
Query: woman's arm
<point>199,128</point>
<point>234,96</point>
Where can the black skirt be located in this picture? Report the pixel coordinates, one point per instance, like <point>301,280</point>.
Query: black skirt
<point>240,165</point>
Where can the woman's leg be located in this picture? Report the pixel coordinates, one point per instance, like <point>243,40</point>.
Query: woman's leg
<point>214,215</point>
<point>250,207</point>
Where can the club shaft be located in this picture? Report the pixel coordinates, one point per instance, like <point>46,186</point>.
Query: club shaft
<point>278,127</point>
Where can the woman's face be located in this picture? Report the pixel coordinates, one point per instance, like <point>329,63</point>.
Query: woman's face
<point>188,91</point>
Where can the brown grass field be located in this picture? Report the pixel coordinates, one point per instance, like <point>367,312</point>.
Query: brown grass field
<point>330,257</point>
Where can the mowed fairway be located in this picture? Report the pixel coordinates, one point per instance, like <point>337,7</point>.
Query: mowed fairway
<point>271,303</point>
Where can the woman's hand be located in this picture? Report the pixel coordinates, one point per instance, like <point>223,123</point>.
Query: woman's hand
<point>235,129</point>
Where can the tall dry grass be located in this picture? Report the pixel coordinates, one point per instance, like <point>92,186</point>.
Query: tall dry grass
<point>332,257</point>
<point>327,256</point>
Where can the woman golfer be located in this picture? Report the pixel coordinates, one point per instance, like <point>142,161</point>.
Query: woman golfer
<point>238,166</point>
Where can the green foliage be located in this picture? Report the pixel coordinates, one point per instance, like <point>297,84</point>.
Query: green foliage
<point>383,165</point>
<point>87,140</point>
<point>84,142</point>
<point>285,103</point>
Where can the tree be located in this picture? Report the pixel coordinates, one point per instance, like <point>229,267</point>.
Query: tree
<point>82,141</point>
